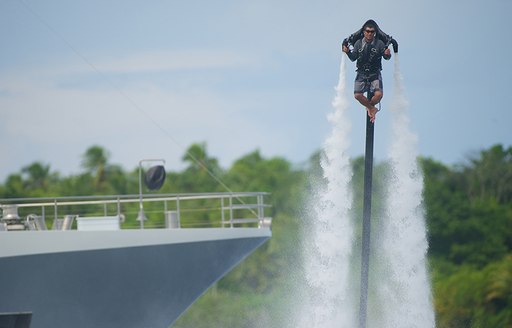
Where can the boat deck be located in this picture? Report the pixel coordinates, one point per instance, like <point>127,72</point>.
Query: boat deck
<point>88,262</point>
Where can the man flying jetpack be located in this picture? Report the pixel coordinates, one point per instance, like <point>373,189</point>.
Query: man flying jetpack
<point>368,46</point>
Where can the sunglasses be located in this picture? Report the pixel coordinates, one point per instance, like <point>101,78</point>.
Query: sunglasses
<point>369,31</point>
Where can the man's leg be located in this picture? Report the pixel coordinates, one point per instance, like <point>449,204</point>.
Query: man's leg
<point>376,88</point>
<point>363,100</point>
<point>369,105</point>
<point>360,87</point>
<point>377,97</point>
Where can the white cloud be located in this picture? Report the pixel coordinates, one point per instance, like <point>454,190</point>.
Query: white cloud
<point>176,60</point>
<point>44,122</point>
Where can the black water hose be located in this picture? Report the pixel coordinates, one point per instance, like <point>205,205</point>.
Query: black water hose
<point>395,45</point>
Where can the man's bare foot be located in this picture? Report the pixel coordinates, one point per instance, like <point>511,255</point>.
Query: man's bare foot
<point>372,111</point>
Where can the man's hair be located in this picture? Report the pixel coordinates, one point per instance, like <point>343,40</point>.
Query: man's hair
<point>369,24</point>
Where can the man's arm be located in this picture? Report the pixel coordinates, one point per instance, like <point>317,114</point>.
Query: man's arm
<point>386,54</point>
<point>351,54</point>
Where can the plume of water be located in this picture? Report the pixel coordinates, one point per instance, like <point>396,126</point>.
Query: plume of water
<point>400,287</point>
<point>329,238</point>
<point>404,293</point>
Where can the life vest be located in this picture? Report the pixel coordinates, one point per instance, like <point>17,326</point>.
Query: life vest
<point>369,58</point>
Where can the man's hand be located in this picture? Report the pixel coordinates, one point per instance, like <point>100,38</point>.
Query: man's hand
<point>387,52</point>
<point>345,49</point>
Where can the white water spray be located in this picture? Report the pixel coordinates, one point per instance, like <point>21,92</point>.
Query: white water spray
<point>401,288</point>
<point>404,288</point>
<point>329,240</point>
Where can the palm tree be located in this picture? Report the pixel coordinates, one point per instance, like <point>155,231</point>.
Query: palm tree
<point>95,162</point>
<point>198,158</point>
<point>38,175</point>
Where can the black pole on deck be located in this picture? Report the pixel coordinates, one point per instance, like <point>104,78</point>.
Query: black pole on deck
<point>367,208</point>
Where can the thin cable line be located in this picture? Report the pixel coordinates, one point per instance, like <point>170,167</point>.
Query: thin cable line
<point>127,97</point>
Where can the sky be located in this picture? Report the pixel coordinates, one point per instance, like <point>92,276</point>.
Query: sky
<point>146,79</point>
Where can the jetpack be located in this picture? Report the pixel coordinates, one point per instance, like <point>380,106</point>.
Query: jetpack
<point>387,39</point>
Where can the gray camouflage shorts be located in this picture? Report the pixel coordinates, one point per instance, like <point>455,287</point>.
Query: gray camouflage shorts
<point>365,82</point>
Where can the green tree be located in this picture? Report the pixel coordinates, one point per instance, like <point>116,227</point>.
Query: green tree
<point>95,161</point>
<point>476,298</point>
<point>14,187</point>
<point>37,176</point>
<point>203,173</point>
<point>198,159</point>
<point>469,215</point>
<point>275,175</point>
<point>118,180</point>
<point>490,175</point>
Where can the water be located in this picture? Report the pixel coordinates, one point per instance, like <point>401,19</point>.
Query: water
<point>404,291</point>
<point>330,236</point>
<point>399,292</point>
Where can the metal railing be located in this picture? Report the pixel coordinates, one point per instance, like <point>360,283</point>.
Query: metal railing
<point>239,209</point>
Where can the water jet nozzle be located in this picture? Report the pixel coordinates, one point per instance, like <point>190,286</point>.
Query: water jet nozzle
<point>394,43</point>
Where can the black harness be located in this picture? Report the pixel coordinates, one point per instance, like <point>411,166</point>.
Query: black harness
<point>368,60</point>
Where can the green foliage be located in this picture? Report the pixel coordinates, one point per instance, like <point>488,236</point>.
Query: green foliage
<point>464,229</point>
<point>95,162</point>
<point>476,298</point>
<point>468,210</point>
<point>490,175</point>
<point>202,174</point>
<point>469,216</point>
<point>37,176</point>
<point>14,187</point>
<point>218,308</point>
